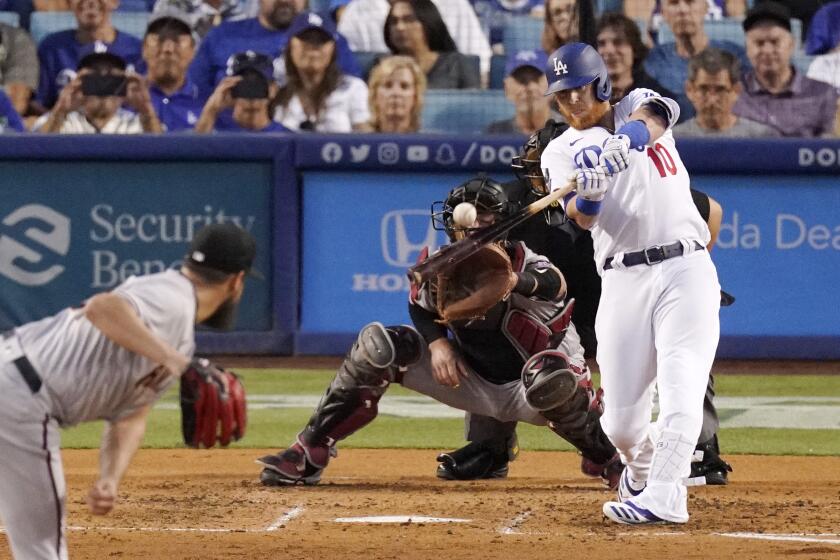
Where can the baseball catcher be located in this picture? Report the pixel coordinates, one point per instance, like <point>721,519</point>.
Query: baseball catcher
<point>212,405</point>
<point>513,354</point>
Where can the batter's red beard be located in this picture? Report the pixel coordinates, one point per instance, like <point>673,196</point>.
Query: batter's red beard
<point>588,121</point>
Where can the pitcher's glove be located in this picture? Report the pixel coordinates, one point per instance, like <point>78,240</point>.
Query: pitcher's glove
<point>471,287</point>
<point>212,405</point>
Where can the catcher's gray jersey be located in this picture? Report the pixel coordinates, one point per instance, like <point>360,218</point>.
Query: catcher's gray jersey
<point>86,375</point>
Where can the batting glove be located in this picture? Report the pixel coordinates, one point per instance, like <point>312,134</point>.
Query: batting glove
<point>591,183</point>
<point>616,154</point>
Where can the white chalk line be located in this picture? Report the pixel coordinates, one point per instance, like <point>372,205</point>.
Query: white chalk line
<point>379,519</point>
<point>512,526</point>
<point>792,537</point>
<point>296,511</point>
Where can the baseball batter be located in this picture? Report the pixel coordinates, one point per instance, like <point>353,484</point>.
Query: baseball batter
<point>109,359</point>
<point>658,315</point>
<point>570,249</point>
<point>520,359</point>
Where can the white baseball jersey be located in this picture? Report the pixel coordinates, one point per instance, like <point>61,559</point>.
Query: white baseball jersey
<point>123,122</point>
<point>89,377</point>
<point>648,204</point>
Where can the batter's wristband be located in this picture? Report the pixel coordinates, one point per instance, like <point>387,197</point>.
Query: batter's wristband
<point>588,207</point>
<point>637,131</point>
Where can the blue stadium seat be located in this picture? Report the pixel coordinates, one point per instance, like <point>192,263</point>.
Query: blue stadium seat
<point>727,29</point>
<point>366,61</point>
<point>460,111</point>
<point>602,6</point>
<point>802,61</point>
<point>522,33</point>
<point>320,6</point>
<point>10,18</point>
<point>136,6</point>
<point>497,71</point>
<point>44,23</point>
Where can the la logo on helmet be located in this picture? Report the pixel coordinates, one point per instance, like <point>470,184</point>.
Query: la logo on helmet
<point>559,67</point>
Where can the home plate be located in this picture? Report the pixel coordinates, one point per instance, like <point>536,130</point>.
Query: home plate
<point>400,519</point>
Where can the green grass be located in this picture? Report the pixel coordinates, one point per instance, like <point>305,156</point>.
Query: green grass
<point>275,428</point>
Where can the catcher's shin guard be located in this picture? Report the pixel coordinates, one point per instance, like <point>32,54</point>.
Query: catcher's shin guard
<point>350,403</point>
<point>578,421</point>
<point>479,459</point>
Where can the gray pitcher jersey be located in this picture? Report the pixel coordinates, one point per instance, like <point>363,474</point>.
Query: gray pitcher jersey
<point>89,377</point>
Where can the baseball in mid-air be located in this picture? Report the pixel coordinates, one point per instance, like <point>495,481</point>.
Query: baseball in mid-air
<point>464,215</point>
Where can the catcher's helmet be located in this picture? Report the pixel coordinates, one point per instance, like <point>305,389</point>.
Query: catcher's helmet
<point>527,164</point>
<point>574,65</point>
<point>484,193</point>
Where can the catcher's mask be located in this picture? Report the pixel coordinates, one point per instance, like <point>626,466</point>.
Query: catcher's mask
<point>527,164</point>
<point>484,193</point>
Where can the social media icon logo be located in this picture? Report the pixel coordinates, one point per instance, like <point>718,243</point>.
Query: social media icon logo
<point>389,153</point>
<point>331,152</point>
<point>359,154</point>
<point>417,154</point>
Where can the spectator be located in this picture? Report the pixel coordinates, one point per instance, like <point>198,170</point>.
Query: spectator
<point>336,9</point>
<point>317,95</point>
<point>713,86</point>
<point>561,24</point>
<point>268,34</point>
<point>824,41</point>
<point>668,63</point>
<point>414,28</point>
<point>60,52</point>
<point>248,91</point>
<point>168,49</point>
<point>397,87</point>
<point>202,15</point>
<point>9,118</point>
<point>651,11</point>
<point>495,15</point>
<point>363,21</point>
<point>91,102</point>
<point>18,66</point>
<point>525,86</point>
<point>775,92</point>
<point>619,43</point>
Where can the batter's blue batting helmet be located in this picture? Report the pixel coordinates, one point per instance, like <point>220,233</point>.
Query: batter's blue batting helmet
<point>574,65</point>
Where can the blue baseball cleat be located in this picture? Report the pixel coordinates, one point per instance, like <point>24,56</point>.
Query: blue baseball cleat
<point>626,488</point>
<point>628,513</point>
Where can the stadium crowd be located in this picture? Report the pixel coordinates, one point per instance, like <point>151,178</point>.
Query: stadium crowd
<point>738,68</point>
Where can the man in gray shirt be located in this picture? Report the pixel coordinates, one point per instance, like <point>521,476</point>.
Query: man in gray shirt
<point>18,66</point>
<point>525,86</point>
<point>109,359</point>
<point>775,92</point>
<point>713,86</point>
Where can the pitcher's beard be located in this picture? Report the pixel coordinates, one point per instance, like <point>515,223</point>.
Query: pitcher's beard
<point>590,119</point>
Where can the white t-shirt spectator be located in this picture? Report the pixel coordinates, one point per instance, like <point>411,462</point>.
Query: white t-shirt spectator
<point>363,25</point>
<point>123,122</point>
<point>345,107</point>
<point>826,68</point>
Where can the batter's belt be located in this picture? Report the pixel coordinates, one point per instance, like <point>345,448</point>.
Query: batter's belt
<point>11,352</point>
<point>653,255</point>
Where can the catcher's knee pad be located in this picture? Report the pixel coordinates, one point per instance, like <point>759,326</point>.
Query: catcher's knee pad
<point>341,412</point>
<point>380,347</point>
<point>479,459</point>
<point>549,380</point>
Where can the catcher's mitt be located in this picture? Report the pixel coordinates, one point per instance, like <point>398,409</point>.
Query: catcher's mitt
<point>469,288</point>
<point>212,405</point>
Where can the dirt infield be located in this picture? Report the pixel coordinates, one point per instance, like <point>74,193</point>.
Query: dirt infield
<point>186,504</point>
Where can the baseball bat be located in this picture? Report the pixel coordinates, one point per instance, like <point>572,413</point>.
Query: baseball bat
<point>475,240</point>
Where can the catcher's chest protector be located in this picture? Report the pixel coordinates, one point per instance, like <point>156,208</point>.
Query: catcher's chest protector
<point>533,325</point>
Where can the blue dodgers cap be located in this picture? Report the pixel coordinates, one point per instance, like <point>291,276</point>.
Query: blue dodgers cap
<point>574,65</point>
<point>310,20</point>
<point>534,58</point>
<point>250,60</point>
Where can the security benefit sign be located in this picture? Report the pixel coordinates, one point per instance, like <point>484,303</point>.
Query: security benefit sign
<point>779,253</point>
<point>71,229</point>
<point>361,232</point>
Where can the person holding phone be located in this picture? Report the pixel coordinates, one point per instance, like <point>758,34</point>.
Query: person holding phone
<point>92,102</point>
<point>247,90</point>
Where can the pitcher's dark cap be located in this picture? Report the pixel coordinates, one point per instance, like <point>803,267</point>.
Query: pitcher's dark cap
<point>225,247</point>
